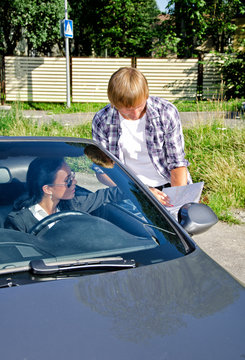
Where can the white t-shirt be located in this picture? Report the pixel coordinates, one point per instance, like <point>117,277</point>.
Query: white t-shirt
<point>133,152</point>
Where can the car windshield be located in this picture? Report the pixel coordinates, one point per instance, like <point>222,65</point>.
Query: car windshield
<point>109,214</point>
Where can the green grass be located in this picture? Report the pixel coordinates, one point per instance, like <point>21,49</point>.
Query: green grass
<point>182,106</point>
<point>218,105</point>
<point>59,108</point>
<point>216,155</point>
<point>12,123</point>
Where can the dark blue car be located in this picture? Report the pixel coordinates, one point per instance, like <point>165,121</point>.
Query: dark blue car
<point>117,277</point>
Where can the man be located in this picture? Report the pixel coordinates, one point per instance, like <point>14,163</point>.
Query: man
<point>144,132</point>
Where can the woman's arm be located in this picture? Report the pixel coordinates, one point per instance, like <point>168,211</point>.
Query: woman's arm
<point>91,201</point>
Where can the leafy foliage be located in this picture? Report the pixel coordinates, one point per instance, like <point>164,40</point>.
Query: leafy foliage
<point>118,27</point>
<point>233,71</point>
<point>35,20</point>
<point>220,21</point>
<point>81,11</point>
<point>192,23</point>
<point>10,30</point>
<point>121,28</point>
<point>166,41</point>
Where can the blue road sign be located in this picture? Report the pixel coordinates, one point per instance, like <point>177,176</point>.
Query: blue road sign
<point>68,28</point>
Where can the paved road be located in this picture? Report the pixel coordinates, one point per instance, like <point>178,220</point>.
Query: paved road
<point>226,245</point>
<point>64,119</point>
<point>187,118</point>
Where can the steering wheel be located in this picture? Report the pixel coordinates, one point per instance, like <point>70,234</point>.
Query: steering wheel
<point>52,218</point>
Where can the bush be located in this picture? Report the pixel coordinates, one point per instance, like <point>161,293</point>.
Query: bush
<point>233,71</point>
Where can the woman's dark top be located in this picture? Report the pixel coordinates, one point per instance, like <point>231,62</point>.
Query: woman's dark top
<point>24,220</point>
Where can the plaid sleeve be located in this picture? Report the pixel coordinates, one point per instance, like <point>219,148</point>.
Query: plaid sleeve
<point>98,131</point>
<point>174,139</point>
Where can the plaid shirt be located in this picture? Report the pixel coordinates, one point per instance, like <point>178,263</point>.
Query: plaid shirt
<point>164,137</point>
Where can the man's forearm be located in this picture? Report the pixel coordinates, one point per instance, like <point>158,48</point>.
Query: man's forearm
<point>179,176</point>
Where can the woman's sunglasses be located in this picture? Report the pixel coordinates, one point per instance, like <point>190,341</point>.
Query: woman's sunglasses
<point>68,181</point>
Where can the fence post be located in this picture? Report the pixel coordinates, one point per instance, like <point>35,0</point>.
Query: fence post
<point>134,62</point>
<point>2,79</point>
<point>200,76</point>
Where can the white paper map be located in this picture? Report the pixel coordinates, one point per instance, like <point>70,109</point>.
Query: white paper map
<point>180,195</point>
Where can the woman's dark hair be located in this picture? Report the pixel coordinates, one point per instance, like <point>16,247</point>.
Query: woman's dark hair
<point>41,171</point>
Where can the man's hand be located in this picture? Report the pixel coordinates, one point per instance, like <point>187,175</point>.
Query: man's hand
<point>163,198</point>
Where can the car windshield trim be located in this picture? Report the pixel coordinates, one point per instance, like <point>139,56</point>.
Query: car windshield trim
<point>23,266</point>
<point>39,267</point>
<point>50,267</point>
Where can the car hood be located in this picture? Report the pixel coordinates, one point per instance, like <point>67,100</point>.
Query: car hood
<point>188,308</point>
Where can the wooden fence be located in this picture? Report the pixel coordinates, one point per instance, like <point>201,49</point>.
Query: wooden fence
<point>44,78</point>
<point>212,82</point>
<point>35,79</point>
<point>90,77</point>
<point>170,78</point>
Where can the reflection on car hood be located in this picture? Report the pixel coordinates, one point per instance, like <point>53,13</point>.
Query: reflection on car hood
<point>188,308</point>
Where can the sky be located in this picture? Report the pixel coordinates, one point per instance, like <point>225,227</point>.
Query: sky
<point>162,4</point>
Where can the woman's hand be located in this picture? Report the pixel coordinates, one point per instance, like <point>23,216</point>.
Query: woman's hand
<point>163,198</point>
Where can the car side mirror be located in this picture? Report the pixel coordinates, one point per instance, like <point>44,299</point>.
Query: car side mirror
<point>196,218</point>
<point>5,176</point>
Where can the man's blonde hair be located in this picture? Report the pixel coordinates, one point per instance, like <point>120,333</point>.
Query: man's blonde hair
<point>98,156</point>
<point>127,87</point>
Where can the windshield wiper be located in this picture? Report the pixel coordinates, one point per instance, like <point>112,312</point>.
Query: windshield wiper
<point>117,263</point>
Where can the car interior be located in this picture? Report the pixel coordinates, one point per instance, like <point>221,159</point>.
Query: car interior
<point>132,227</point>
<point>10,189</point>
<point>13,185</point>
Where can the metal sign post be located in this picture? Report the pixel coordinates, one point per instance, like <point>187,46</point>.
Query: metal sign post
<point>70,34</point>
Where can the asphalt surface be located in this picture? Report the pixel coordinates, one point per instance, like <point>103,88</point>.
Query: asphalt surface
<point>232,119</point>
<point>187,118</point>
<point>224,243</point>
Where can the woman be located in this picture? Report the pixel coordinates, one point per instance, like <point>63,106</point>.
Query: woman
<point>51,187</point>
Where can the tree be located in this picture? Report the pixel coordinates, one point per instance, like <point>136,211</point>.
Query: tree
<point>121,28</point>
<point>186,25</point>
<point>35,20</point>
<point>233,72</point>
<point>83,18</point>
<point>192,22</point>
<point>220,16</point>
<point>10,32</point>
<point>190,25</point>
